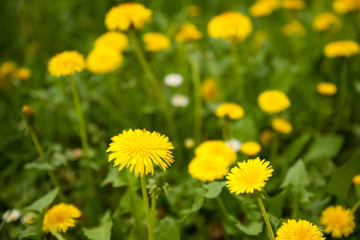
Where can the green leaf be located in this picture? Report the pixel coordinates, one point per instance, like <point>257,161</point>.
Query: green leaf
<point>103,231</point>
<point>33,231</point>
<point>304,195</point>
<point>253,229</point>
<point>116,178</point>
<point>276,203</point>
<point>245,129</point>
<point>43,202</point>
<point>167,229</point>
<point>214,189</point>
<point>126,202</point>
<point>296,175</point>
<point>325,147</point>
<point>198,202</point>
<point>296,147</point>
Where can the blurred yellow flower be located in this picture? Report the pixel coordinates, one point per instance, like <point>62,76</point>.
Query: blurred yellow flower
<point>209,90</point>
<point>193,11</point>
<point>60,217</point>
<point>337,221</point>
<point>208,168</point>
<point>23,73</point>
<point>230,110</point>
<point>356,179</point>
<point>326,88</point>
<point>281,125</point>
<point>263,8</point>
<point>127,15</point>
<point>188,33</point>
<point>294,28</point>
<point>250,148</point>
<point>260,37</point>
<point>232,26</point>
<point>139,149</point>
<point>103,60</point>
<point>66,63</point>
<point>266,137</point>
<point>27,111</point>
<point>324,21</point>
<point>344,6</point>
<point>156,42</point>
<point>7,68</point>
<point>112,39</point>
<point>294,4</point>
<point>299,230</point>
<point>216,148</point>
<point>341,49</point>
<point>273,101</point>
<point>189,143</point>
<point>249,176</point>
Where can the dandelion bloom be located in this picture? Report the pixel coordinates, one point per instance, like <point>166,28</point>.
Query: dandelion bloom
<point>344,6</point>
<point>216,148</point>
<point>179,100</point>
<point>294,28</point>
<point>156,42</point>
<point>232,26</point>
<point>23,73</point>
<point>66,63</point>
<point>60,217</point>
<point>208,168</point>
<point>273,101</point>
<point>281,125</point>
<point>139,149</point>
<point>103,60</point>
<point>301,230</point>
<point>193,11</point>
<point>294,4</point>
<point>127,15</point>
<point>263,8</point>
<point>356,180</point>
<point>337,221</point>
<point>326,88</point>
<point>27,111</point>
<point>266,137</point>
<point>7,68</point>
<point>230,110</point>
<point>249,176</point>
<point>324,21</point>
<point>341,49</point>
<point>209,90</point>
<point>188,33</point>
<point>250,148</point>
<point>112,39</point>
<point>173,80</point>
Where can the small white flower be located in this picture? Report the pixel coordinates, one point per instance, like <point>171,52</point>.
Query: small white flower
<point>173,80</point>
<point>189,143</point>
<point>11,215</point>
<point>234,144</point>
<point>28,218</point>
<point>179,100</point>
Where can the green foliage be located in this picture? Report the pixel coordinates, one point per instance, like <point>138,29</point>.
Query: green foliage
<point>101,232</point>
<point>43,202</point>
<point>167,229</point>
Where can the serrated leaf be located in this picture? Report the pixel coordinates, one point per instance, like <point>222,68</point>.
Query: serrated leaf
<point>214,189</point>
<point>304,195</point>
<point>43,202</point>
<point>253,229</point>
<point>167,229</point>
<point>296,147</point>
<point>116,178</point>
<point>296,175</point>
<point>198,202</point>
<point>325,147</point>
<point>277,202</point>
<point>103,231</point>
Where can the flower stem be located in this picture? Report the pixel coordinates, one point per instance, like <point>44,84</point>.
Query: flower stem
<point>58,236</point>
<point>227,131</point>
<point>266,218</point>
<point>355,207</point>
<point>147,208</point>
<point>222,207</point>
<point>134,208</point>
<point>342,94</point>
<point>239,80</point>
<point>153,209</point>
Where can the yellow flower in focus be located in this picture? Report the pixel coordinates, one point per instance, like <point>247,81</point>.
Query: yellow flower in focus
<point>7,68</point>
<point>60,217</point>
<point>273,101</point>
<point>294,28</point>
<point>216,148</point>
<point>232,26</point>
<point>209,90</point>
<point>344,6</point>
<point>356,180</point>
<point>266,137</point>
<point>23,73</point>
<point>263,8</point>
<point>324,21</point>
<point>139,149</point>
<point>294,4</point>
<point>66,63</point>
<point>281,125</point>
<point>250,148</point>
<point>208,168</point>
<point>326,88</point>
<point>341,49</point>
<point>249,176</point>
<point>155,42</point>
<point>103,60</point>
<point>230,110</point>
<point>112,39</point>
<point>301,230</point>
<point>193,11</point>
<point>188,33</point>
<point>127,15</point>
<point>338,221</point>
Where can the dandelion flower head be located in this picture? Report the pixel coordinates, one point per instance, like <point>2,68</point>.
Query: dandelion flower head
<point>299,230</point>
<point>156,42</point>
<point>341,49</point>
<point>66,63</point>
<point>266,137</point>
<point>209,90</point>
<point>216,148</point>
<point>230,110</point>
<point>294,28</point>
<point>326,88</point>
<point>294,4</point>
<point>345,6</point>
<point>324,21</point>
<point>273,101</point>
<point>103,60</point>
<point>208,168</point>
<point>173,79</point>
<point>23,73</point>
<point>193,11</point>
<point>281,125</point>
<point>356,180</point>
<point>337,221</point>
<point>250,148</point>
<point>188,33</point>
<point>112,39</point>
<point>263,8</point>
<point>7,68</point>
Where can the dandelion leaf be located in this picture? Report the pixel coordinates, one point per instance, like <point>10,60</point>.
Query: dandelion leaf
<point>43,202</point>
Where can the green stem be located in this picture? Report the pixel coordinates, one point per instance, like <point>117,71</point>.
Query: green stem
<point>274,146</point>
<point>222,207</point>
<point>134,208</point>
<point>153,209</point>
<point>355,207</point>
<point>58,236</point>
<point>238,77</point>
<point>342,93</point>
<point>227,130</point>
<point>147,208</point>
<point>266,218</point>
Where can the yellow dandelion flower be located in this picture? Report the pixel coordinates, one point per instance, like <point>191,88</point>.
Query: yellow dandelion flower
<point>263,8</point>
<point>249,176</point>
<point>294,28</point>
<point>266,137</point>
<point>273,101</point>
<point>324,21</point>
<point>127,15</point>
<point>23,73</point>
<point>103,60</point>
<point>209,90</point>
<point>208,168</point>
<point>338,221</point>
<point>281,125</point>
<point>139,149</point>
<point>344,6</point>
<point>341,49</point>
<point>27,111</point>
<point>60,217</point>
<point>7,68</point>
<point>193,11</point>
<point>112,39</point>
<point>326,88</point>
<point>238,26</point>
<point>301,230</point>
<point>188,33</point>
<point>356,180</point>
<point>250,148</point>
<point>230,110</point>
<point>216,148</point>
<point>66,63</point>
<point>155,42</point>
<point>294,4</point>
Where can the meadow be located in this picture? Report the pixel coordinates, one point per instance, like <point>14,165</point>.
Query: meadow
<point>169,120</point>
